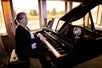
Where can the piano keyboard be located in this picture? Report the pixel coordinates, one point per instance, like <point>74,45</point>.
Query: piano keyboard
<point>53,50</point>
<point>55,46</point>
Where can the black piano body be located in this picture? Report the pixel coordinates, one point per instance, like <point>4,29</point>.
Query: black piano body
<point>65,48</point>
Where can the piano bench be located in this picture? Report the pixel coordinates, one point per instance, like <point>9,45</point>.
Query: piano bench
<point>14,62</point>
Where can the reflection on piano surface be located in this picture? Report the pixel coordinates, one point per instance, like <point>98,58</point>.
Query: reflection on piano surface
<point>64,49</point>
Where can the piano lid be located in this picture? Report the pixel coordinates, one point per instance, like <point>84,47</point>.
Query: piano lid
<point>80,11</point>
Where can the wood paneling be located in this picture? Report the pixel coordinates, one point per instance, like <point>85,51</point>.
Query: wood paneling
<point>9,39</point>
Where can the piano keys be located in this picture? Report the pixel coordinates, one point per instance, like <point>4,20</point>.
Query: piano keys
<point>56,52</point>
<point>55,44</point>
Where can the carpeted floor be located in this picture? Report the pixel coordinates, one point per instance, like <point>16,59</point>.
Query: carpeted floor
<point>93,63</point>
<point>35,63</point>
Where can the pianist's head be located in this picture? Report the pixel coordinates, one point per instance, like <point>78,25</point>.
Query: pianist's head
<point>21,19</point>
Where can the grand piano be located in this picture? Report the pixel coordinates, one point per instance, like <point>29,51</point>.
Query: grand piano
<point>69,45</point>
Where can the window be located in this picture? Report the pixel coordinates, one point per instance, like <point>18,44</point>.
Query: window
<point>55,9</point>
<point>31,8</point>
<point>75,4</point>
<point>80,21</point>
<point>94,13</point>
<point>2,23</point>
<point>97,17</point>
